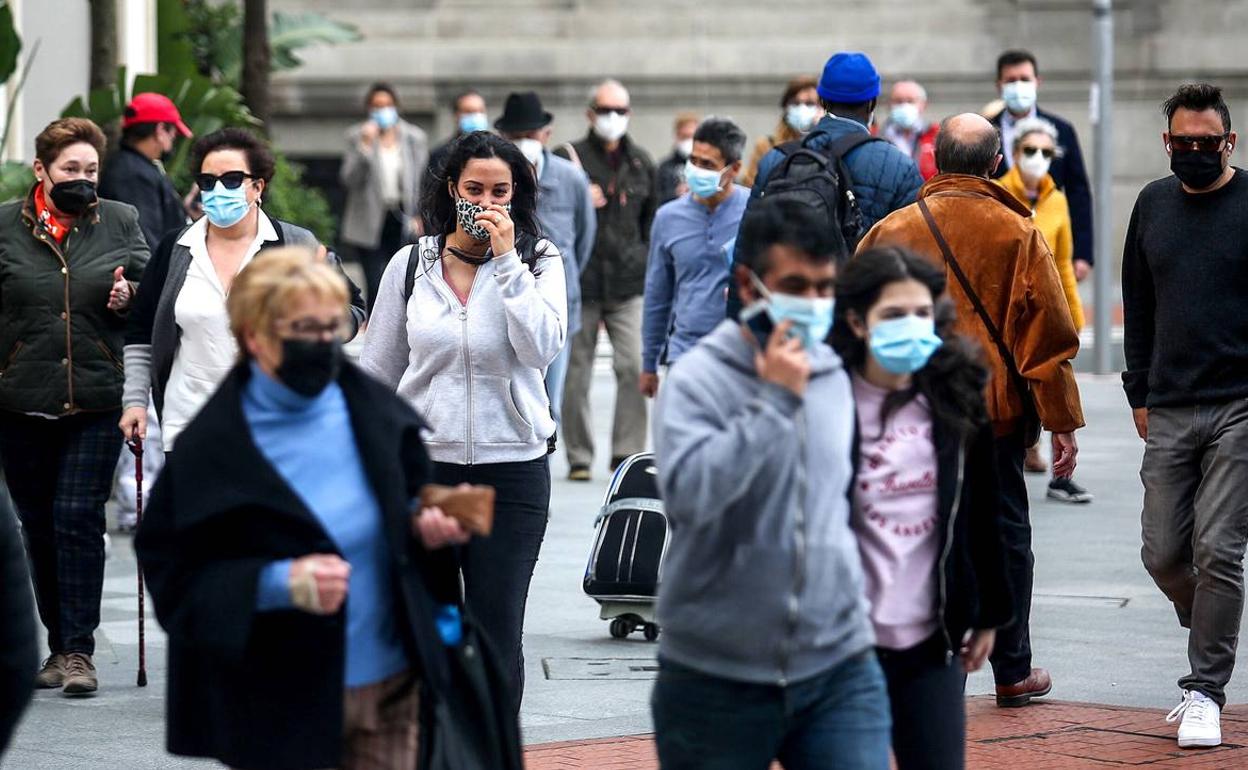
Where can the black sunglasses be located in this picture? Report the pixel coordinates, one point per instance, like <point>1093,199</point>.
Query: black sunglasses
<point>609,110</point>
<point>1046,152</point>
<point>232,180</point>
<point>1198,143</point>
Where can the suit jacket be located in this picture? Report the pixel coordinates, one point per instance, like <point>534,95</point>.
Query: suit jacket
<point>131,177</point>
<point>1071,177</point>
<point>365,211</point>
<point>566,213</point>
<point>265,689</point>
<point>1011,268</point>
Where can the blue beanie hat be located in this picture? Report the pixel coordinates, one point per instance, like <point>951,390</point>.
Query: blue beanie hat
<point>849,78</point>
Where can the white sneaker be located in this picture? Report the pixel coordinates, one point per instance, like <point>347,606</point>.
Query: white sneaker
<point>1201,726</point>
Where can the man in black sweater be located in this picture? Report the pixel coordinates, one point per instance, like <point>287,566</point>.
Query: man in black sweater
<point>1184,287</point>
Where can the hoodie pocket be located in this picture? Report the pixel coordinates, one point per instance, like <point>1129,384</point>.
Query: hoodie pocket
<point>445,408</point>
<point>496,415</point>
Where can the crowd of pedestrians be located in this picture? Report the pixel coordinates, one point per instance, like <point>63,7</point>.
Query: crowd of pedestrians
<point>889,307</point>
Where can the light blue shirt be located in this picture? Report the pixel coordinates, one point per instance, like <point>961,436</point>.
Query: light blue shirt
<point>566,213</point>
<point>311,443</point>
<point>687,274</point>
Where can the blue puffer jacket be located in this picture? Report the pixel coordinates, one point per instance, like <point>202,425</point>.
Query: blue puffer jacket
<point>885,178</point>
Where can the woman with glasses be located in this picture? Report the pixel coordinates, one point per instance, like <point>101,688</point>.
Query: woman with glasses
<point>465,324</point>
<point>178,344</point>
<point>279,546</point>
<point>68,263</point>
<point>1035,147</point>
<point>799,112</point>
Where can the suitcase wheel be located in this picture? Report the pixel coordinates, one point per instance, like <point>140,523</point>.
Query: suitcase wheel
<point>621,628</point>
<point>652,632</point>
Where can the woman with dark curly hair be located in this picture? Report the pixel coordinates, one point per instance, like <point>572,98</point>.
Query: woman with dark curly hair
<point>925,498</point>
<point>465,324</point>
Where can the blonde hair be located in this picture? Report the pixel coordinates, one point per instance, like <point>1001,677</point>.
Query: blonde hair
<point>268,287</point>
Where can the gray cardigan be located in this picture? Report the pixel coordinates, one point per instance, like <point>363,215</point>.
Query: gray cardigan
<point>365,210</point>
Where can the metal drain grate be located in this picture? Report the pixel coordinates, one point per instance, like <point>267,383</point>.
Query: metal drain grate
<point>589,669</point>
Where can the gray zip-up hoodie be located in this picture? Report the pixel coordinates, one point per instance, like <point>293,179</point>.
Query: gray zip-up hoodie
<point>763,581</point>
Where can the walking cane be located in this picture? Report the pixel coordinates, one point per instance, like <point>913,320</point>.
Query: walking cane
<point>136,448</point>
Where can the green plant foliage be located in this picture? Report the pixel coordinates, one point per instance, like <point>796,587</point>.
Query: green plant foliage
<point>288,198</point>
<point>10,42</point>
<point>288,32</point>
<point>15,180</point>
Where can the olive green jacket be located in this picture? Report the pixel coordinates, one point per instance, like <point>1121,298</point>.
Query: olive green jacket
<point>60,345</point>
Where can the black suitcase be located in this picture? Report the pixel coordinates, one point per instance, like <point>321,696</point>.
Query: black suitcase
<point>626,562</point>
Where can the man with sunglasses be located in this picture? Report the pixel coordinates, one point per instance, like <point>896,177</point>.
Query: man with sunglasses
<point>622,186</point>
<point>1184,288</point>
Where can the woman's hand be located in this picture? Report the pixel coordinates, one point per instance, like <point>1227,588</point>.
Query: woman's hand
<point>502,230</point>
<point>121,294</point>
<point>977,649</point>
<point>134,422</point>
<point>437,530</point>
<point>318,583</point>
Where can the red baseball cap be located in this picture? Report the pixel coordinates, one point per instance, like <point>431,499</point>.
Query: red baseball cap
<point>153,108</point>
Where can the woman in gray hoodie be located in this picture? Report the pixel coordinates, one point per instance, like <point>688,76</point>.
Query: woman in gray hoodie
<point>465,324</point>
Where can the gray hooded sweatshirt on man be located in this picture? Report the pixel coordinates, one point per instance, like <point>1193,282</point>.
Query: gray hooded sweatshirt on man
<point>762,582</point>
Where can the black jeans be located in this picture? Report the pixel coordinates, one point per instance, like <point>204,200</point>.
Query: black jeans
<point>374,261</point>
<point>1011,657</point>
<point>60,473</point>
<point>497,569</point>
<point>926,695</point>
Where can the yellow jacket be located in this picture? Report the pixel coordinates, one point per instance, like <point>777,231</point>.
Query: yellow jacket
<point>1052,217</point>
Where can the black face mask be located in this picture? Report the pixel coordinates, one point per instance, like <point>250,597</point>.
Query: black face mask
<point>1197,169</point>
<point>73,197</point>
<point>309,366</point>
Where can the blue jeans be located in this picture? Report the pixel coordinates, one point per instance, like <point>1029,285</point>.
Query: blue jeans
<point>838,719</point>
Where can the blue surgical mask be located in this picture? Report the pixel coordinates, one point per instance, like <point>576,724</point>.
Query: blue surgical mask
<point>905,116</point>
<point>702,183</point>
<point>224,207</point>
<point>384,117</point>
<point>801,117</point>
<point>1019,95</point>
<point>904,345</point>
<point>473,121</point>
<point>811,316</point>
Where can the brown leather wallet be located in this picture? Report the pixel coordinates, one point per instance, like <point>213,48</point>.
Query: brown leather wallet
<point>472,506</point>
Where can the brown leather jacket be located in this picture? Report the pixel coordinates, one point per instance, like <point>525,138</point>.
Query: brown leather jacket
<point>1010,267</point>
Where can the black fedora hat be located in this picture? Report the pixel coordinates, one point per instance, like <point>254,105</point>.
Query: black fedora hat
<point>523,112</point>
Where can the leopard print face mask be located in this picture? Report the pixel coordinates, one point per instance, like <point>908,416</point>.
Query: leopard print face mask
<point>467,212</point>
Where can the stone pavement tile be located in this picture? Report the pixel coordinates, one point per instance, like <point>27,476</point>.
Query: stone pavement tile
<point>1048,735</point>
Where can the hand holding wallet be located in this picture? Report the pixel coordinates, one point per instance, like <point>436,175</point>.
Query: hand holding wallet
<point>470,505</point>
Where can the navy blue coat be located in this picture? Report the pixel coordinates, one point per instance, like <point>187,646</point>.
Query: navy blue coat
<point>1071,176</point>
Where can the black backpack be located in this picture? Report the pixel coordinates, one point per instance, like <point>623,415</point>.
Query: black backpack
<point>820,179</point>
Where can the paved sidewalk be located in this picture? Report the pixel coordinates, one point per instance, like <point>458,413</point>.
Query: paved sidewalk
<point>1053,735</point>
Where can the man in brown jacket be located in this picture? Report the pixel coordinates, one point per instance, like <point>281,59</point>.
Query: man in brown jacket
<point>1007,263</point>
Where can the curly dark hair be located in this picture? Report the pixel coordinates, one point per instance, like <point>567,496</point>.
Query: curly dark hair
<point>438,207</point>
<point>954,378</point>
<point>260,162</point>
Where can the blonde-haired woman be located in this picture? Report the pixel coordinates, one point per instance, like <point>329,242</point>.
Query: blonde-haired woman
<point>68,266</point>
<point>1035,147</point>
<point>290,492</point>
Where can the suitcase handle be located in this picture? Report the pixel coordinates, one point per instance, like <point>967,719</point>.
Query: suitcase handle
<point>632,504</point>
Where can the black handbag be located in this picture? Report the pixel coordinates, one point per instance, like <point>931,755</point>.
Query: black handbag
<point>1031,417</point>
<point>471,725</point>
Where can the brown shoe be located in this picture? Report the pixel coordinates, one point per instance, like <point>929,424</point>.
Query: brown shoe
<point>52,675</point>
<point>1037,685</point>
<point>80,676</point>
<point>1033,462</point>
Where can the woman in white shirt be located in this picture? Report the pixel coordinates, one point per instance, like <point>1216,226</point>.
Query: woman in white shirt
<point>178,341</point>
<point>465,324</point>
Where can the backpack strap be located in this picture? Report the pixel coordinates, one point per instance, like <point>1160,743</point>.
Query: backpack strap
<point>409,272</point>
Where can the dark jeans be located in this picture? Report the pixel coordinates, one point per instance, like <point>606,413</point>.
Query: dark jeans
<point>497,569</point>
<point>1011,657</point>
<point>1195,528</point>
<point>374,261</point>
<point>838,719</point>
<point>925,691</point>
<point>60,473</point>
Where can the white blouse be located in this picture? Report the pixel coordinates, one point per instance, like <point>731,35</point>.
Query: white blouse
<point>206,348</point>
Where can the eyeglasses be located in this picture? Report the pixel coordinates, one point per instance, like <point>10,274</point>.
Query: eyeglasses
<point>232,180</point>
<point>609,110</point>
<point>1198,143</point>
<point>1047,152</point>
<point>312,329</point>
